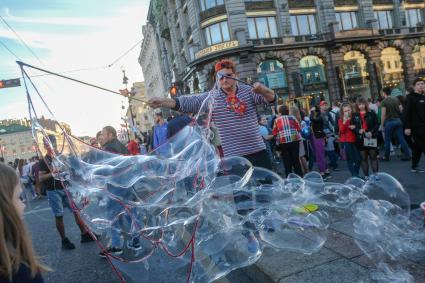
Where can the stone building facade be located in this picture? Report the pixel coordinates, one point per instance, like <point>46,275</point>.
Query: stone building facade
<point>310,49</point>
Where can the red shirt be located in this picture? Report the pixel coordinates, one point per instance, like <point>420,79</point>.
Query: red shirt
<point>364,124</point>
<point>133,147</point>
<point>345,133</point>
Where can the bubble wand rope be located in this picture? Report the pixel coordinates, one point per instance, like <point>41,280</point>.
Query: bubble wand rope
<point>78,81</point>
<point>221,75</point>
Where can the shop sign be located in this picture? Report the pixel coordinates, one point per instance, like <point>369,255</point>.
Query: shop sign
<point>216,48</point>
<point>316,86</point>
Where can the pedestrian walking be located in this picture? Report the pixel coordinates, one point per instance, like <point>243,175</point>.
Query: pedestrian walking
<point>268,137</point>
<point>116,212</point>
<point>58,199</point>
<point>318,124</point>
<point>347,139</point>
<point>288,137</point>
<point>294,111</point>
<point>366,128</point>
<point>18,262</point>
<point>24,172</point>
<point>160,135</point>
<point>415,122</point>
<point>392,125</point>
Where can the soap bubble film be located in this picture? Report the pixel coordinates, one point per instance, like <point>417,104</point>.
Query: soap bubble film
<point>205,216</point>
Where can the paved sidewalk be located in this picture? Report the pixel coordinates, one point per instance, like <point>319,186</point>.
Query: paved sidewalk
<point>340,260</point>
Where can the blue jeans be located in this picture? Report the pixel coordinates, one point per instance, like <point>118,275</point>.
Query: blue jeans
<point>117,212</point>
<point>333,158</point>
<point>353,158</point>
<point>58,200</point>
<point>395,126</point>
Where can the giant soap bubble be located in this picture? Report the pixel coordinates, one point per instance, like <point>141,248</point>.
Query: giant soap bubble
<point>204,216</point>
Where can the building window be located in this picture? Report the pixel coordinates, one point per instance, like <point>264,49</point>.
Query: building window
<point>272,74</point>
<point>192,53</point>
<point>385,19</point>
<point>208,4</point>
<point>347,20</point>
<point>303,24</point>
<point>413,17</point>
<point>217,33</point>
<point>263,27</point>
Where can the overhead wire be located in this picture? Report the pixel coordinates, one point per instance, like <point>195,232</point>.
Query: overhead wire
<point>20,38</point>
<point>8,49</point>
<point>125,53</point>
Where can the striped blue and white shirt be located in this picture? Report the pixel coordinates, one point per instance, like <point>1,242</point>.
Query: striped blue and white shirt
<point>239,134</point>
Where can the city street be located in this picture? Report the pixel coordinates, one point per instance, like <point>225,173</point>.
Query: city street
<point>83,264</point>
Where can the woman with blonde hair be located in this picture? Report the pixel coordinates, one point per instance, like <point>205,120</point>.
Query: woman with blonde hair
<point>294,111</point>
<point>17,260</point>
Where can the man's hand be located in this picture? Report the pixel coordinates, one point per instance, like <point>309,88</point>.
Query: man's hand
<point>361,131</point>
<point>352,127</point>
<point>407,132</point>
<point>258,87</point>
<point>264,91</point>
<point>124,92</point>
<point>156,102</point>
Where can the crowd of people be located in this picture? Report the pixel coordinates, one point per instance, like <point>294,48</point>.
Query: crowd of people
<point>361,132</point>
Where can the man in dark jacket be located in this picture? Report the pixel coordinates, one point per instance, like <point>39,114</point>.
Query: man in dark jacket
<point>177,123</point>
<point>110,141</point>
<point>415,122</point>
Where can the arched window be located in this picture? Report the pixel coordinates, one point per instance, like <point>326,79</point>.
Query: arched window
<point>418,55</point>
<point>312,70</point>
<point>392,70</point>
<point>272,74</point>
<point>313,79</point>
<point>356,75</point>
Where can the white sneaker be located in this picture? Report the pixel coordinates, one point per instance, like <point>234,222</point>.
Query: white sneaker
<point>417,170</point>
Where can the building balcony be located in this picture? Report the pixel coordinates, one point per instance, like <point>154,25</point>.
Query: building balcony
<point>401,31</point>
<point>296,4</point>
<point>259,5</point>
<point>286,40</point>
<point>345,3</point>
<point>266,41</point>
<point>212,12</point>
<point>382,2</point>
<point>308,37</point>
<point>353,33</point>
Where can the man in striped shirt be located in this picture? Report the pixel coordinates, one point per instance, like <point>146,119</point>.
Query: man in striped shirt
<point>234,114</point>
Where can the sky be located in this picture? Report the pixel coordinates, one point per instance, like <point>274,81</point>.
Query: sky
<point>66,35</point>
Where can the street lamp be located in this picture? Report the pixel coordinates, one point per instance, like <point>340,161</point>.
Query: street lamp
<point>125,82</point>
<point>1,148</point>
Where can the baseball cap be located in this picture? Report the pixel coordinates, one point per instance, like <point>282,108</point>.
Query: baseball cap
<point>322,103</point>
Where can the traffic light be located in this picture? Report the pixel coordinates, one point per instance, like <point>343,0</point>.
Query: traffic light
<point>10,83</point>
<point>174,90</point>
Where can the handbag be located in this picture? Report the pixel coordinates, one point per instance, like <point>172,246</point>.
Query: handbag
<point>370,142</point>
